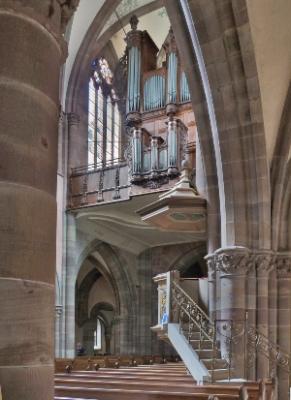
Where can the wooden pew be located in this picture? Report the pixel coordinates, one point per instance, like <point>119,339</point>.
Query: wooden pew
<point>122,394</point>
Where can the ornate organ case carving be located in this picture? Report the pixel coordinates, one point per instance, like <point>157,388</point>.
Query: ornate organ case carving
<point>159,115</point>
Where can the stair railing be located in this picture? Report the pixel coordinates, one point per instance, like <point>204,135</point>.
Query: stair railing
<point>259,342</point>
<point>183,305</point>
<point>271,350</point>
<point>196,315</point>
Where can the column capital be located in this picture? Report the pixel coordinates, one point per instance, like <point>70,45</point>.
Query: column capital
<point>283,265</point>
<point>264,260</point>
<point>236,260</point>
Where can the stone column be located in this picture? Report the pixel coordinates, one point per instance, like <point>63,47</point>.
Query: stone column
<point>283,267</point>
<point>108,342</point>
<point>211,270</point>
<point>31,48</point>
<point>70,286</point>
<point>264,265</point>
<point>233,265</point>
<point>145,303</point>
<point>76,142</point>
<point>58,316</point>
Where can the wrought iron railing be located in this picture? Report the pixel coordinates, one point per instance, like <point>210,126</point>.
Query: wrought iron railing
<point>197,317</point>
<point>183,305</point>
<point>258,341</point>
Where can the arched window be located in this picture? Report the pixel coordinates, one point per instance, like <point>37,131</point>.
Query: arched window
<point>103,117</point>
<point>98,336</point>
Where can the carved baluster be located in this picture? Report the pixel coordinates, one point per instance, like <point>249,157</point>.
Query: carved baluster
<point>84,190</point>
<point>100,187</point>
<point>117,184</point>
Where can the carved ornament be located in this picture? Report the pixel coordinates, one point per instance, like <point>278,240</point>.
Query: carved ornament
<point>264,261</point>
<point>68,7</point>
<point>283,265</point>
<point>234,261</point>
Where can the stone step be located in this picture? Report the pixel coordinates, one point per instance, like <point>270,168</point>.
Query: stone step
<point>200,392</point>
<point>207,353</point>
<point>203,344</point>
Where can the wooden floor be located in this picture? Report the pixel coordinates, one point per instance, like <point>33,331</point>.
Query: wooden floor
<point>167,381</point>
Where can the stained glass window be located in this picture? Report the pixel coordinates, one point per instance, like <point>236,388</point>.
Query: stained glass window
<point>103,117</point>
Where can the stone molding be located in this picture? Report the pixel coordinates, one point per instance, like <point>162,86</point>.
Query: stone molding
<point>73,119</point>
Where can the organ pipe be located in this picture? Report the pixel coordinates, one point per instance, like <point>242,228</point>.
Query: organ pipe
<point>173,147</point>
<point>136,152</point>
<point>172,78</point>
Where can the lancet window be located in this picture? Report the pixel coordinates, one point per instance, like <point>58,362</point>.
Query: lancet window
<point>103,117</point>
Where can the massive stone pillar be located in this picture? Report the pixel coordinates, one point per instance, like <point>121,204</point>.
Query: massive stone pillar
<point>233,265</point>
<point>31,48</point>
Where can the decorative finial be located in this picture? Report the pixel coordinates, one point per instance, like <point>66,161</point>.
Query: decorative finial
<point>133,22</point>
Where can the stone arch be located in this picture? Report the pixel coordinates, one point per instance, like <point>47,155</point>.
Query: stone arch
<point>284,235</point>
<point>124,289</point>
<point>225,93</point>
<point>99,311</point>
<point>188,257</point>
<point>220,65</point>
<point>280,173</point>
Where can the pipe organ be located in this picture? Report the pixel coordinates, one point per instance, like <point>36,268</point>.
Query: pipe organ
<point>159,115</point>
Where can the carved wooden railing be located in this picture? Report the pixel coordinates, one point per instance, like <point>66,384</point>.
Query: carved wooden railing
<point>95,184</point>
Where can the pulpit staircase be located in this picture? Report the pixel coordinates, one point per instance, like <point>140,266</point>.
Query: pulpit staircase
<point>190,331</point>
